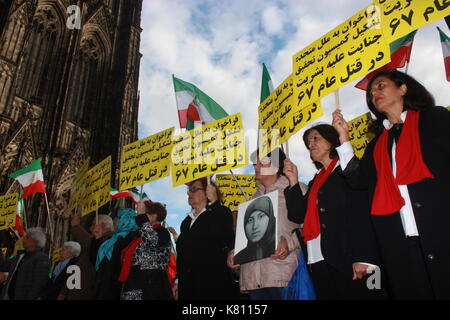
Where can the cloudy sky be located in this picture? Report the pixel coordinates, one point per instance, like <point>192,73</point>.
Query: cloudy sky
<point>220,47</point>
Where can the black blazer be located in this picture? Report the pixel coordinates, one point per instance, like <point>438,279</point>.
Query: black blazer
<point>428,199</point>
<point>56,284</point>
<point>346,231</point>
<point>32,274</point>
<point>202,252</point>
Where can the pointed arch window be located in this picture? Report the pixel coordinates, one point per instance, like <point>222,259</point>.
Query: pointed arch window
<point>82,89</point>
<point>34,70</point>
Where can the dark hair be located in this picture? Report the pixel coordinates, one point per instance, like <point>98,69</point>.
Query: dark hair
<point>416,97</point>
<point>156,208</point>
<point>329,133</point>
<point>204,182</point>
<point>277,163</point>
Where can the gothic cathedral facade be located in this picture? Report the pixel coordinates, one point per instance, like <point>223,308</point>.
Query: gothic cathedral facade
<point>68,92</point>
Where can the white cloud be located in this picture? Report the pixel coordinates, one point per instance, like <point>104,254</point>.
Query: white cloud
<point>273,20</point>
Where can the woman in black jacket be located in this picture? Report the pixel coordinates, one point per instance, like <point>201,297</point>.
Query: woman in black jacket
<point>405,169</point>
<point>339,240</point>
<point>206,237</point>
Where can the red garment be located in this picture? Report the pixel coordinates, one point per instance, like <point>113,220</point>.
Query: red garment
<point>127,258</point>
<point>410,167</point>
<point>311,226</point>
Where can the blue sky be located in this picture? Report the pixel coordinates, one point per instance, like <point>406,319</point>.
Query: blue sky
<point>220,46</point>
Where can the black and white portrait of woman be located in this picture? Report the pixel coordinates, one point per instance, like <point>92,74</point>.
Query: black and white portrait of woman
<point>256,229</point>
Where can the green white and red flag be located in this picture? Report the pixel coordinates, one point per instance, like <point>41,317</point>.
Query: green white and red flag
<point>136,197</point>
<point>31,178</point>
<point>19,216</point>
<point>266,84</point>
<point>400,56</point>
<point>194,106</point>
<point>445,42</point>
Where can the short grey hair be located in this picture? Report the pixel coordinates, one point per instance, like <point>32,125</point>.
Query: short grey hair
<point>38,235</point>
<point>106,222</point>
<point>73,247</point>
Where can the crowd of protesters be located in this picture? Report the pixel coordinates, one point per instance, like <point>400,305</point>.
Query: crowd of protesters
<point>382,215</point>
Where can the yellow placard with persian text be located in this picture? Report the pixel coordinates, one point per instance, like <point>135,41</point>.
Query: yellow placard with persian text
<point>56,256</point>
<point>280,118</point>
<point>8,207</point>
<point>212,148</point>
<point>78,187</point>
<point>400,17</point>
<point>232,195</point>
<point>98,183</point>
<point>18,245</point>
<point>358,130</point>
<point>146,160</point>
<point>349,51</point>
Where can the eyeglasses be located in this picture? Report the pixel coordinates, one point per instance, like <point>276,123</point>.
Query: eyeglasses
<point>193,189</point>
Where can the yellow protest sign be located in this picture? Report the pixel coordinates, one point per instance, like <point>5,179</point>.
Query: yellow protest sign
<point>349,51</point>
<point>231,193</point>
<point>56,256</point>
<point>18,245</point>
<point>358,130</point>
<point>400,17</point>
<point>212,148</point>
<point>8,207</point>
<point>280,117</point>
<point>98,181</point>
<point>146,160</point>
<point>78,187</point>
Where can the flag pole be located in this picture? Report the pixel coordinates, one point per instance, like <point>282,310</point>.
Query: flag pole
<point>50,224</point>
<point>336,99</point>
<point>140,194</point>
<point>239,185</point>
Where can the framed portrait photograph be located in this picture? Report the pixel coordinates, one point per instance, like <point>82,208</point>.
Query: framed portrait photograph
<point>256,229</point>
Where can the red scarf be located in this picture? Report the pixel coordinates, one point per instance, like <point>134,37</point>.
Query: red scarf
<point>127,256</point>
<point>311,226</point>
<point>410,167</point>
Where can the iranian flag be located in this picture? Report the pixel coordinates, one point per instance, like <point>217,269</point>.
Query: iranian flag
<point>400,55</point>
<point>194,106</point>
<point>31,178</point>
<point>266,84</point>
<point>19,216</point>
<point>445,42</point>
<point>136,197</point>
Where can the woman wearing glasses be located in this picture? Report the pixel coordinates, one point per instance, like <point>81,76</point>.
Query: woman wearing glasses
<point>206,237</point>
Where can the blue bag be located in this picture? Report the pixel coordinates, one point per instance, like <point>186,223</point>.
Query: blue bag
<point>301,286</point>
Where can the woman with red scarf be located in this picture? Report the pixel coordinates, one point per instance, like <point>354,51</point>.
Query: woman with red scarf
<point>339,240</point>
<point>406,171</point>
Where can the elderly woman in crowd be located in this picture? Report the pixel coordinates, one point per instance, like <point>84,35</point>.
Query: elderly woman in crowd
<point>109,254</point>
<point>340,244</point>
<point>28,271</point>
<point>405,169</point>
<point>206,236</point>
<point>69,253</point>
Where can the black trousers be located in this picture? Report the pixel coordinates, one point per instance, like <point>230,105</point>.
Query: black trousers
<point>333,284</point>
